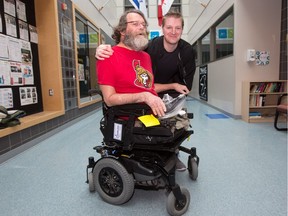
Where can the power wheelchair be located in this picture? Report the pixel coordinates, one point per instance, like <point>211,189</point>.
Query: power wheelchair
<point>137,157</point>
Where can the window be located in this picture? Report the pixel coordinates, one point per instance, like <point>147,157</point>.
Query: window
<point>87,41</point>
<point>225,36</point>
<point>129,6</point>
<point>219,40</point>
<point>176,6</point>
<point>205,48</point>
<point>195,47</point>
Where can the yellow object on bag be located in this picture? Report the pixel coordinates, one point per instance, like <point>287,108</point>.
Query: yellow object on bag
<point>149,120</point>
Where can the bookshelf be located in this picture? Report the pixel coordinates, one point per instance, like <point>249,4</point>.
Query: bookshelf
<point>259,99</point>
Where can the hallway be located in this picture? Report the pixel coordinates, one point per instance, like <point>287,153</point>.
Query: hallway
<point>242,172</point>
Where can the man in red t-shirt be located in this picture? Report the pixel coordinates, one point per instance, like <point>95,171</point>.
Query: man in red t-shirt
<point>126,77</point>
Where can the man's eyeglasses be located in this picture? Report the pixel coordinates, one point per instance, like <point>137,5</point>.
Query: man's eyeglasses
<point>137,24</point>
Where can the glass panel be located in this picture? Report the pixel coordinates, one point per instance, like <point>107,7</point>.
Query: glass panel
<point>93,43</point>
<point>129,6</point>
<point>205,48</point>
<point>87,41</point>
<point>225,37</point>
<point>83,60</point>
<point>176,8</point>
<point>195,47</point>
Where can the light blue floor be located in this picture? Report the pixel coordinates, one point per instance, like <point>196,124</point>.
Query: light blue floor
<point>242,172</point>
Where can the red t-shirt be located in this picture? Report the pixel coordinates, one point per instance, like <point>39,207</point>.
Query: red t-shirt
<point>128,71</point>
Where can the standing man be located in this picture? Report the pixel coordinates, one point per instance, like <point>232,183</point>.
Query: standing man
<point>173,58</point>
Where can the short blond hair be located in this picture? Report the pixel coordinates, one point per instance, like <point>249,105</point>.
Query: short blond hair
<point>174,14</point>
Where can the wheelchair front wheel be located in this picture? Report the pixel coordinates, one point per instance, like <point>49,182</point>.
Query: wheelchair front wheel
<point>173,207</point>
<point>91,182</point>
<point>112,181</point>
<point>193,168</point>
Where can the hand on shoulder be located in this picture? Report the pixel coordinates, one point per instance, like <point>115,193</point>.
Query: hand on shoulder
<point>103,51</point>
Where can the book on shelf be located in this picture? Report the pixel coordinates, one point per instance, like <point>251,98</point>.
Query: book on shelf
<point>257,100</point>
<point>267,87</point>
<point>255,115</point>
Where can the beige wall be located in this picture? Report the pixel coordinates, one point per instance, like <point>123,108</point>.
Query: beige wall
<point>257,26</point>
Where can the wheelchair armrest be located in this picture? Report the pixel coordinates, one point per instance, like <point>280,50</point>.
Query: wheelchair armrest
<point>129,109</point>
<point>132,107</point>
<point>92,92</point>
<point>143,108</point>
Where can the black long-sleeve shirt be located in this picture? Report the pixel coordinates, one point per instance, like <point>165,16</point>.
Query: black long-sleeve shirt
<point>174,67</point>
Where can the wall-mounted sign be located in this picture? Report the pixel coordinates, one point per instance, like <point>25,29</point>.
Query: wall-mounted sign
<point>93,38</point>
<point>153,34</point>
<point>224,34</point>
<point>262,57</point>
<point>203,82</point>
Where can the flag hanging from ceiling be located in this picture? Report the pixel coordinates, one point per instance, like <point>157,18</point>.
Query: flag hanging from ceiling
<point>163,8</point>
<point>140,5</point>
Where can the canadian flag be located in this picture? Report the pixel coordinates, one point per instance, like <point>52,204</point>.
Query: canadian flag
<point>163,8</point>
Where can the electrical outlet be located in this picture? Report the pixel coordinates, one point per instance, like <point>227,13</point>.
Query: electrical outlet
<point>51,92</point>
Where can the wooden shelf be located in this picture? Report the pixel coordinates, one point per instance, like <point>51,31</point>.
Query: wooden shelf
<point>269,93</point>
<point>262,107</point>
<point>263,102</point>
<point>30,121</point>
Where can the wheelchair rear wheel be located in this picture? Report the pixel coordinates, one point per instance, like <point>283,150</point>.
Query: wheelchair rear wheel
<point>173,207</point>
<point>112,181</point>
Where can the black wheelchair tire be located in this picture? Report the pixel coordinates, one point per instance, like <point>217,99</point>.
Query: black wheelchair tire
<point>112,181</point>
<point>91,182</point>
<point>172,205</point>
<point>193,168</point>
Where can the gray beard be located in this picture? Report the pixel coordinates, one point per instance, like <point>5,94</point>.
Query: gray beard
<point>137,43</point>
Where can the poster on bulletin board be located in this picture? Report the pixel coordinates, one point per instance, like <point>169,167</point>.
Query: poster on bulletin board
<point>20,84</point>
<point>203,82</point>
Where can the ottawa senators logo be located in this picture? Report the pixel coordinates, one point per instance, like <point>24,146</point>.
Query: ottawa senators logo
<point>143,77</point>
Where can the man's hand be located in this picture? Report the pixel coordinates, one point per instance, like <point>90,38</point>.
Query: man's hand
<point>181,88</point>
<point>156,104</point>
<point>103,51</point>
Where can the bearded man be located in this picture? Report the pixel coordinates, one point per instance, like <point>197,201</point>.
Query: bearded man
<point>118,76</point>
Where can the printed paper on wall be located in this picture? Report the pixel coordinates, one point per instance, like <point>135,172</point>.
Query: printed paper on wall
<point>28,95</point>
<point>9,7</point>
<point>6,97</point>
<point>5,73</point>
<point>21,10</point>
<point>10,22</point>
